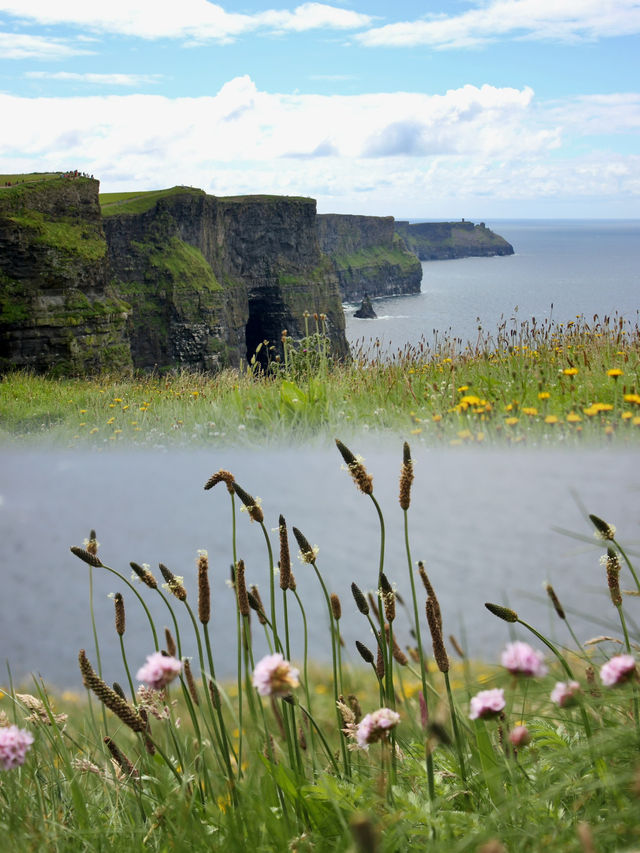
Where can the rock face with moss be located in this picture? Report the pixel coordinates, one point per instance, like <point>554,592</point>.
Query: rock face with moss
<point>57,310</point>
<point>209,279</point>
<point>434,241</point>
<point>369,257</point>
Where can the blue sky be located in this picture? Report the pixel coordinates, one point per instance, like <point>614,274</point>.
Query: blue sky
<point>478,108</point>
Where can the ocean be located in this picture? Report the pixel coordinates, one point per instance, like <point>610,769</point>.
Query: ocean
<point>560,269</point>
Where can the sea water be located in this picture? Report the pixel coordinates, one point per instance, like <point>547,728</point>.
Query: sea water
<point>561,269</point>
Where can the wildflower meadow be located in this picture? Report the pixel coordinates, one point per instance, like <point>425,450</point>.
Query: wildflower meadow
<point>404,742</point>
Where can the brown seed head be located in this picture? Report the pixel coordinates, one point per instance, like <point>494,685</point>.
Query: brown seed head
<point>360,600</point>
<point>108,696</point>
<point>119,605</point>
<point>292,582</point>
<point>555,601</point>
<point>255,603</point>
<point>435,626</point>
<point>380,664</point>
<point>502,612</point>
<point>354,704</point>
<point>336,607</point>
<point>456,645</point>
<point>145,575</point>
<point>221,476</point>
<point>253,508</point>
<point>175,587</point>
<point>92,543</point>
<point>398,655</point>
<point>191,684</point>
<point>612,564</point>
<point>374,607</point>
<point>204,591</point>
<point>302,739</point>
<point>86,556</point>
<point>603,529</point>
<point>357,470</point>
<point>406,478</point>
<point>285,557</point>
<point>241,590</point>
<point>365,653</point>
<point>170,643</point>
<point>307,553</point>
<point>215,695</point>
<point>121,759</point>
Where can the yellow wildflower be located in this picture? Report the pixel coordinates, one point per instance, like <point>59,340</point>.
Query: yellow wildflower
<point>570,371</point>
<point>615,372</point>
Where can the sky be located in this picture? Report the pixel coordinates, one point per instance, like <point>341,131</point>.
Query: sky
<point>441,109</point>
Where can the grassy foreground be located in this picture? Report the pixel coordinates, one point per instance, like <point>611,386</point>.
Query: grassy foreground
<point>526,383</point>
<point>410,752</point>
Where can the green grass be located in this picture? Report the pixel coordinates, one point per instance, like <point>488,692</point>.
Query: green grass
<point>524,384</point>
<point>28,177</point>
<point>273,773</point>
<point>139,202</point>
<point>64,234</point>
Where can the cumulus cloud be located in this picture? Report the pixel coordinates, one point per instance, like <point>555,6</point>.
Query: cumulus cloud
<point>197,20</point>
<point>100,79</point>
<point>19,46</point>
<point>375,153</point>
<point>569,21</point>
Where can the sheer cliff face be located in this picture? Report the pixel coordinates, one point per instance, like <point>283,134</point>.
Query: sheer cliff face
<point>208,279</point>
<point>56,308</point>
<point>433,241</point>
<point>368,256</point>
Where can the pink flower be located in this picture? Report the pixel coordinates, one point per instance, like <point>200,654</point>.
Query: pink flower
<point>487,704</point>
<point>374,727</point>
<point>159,670</point>
<point>14,744</point>
<point>274,676</point>
<point>565,693</point>
<point>520,659</point>
<point>618,670</point>
<point>519,736</point>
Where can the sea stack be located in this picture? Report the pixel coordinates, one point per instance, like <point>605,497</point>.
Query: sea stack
<point>365,311</point>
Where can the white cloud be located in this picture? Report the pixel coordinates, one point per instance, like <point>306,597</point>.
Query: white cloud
<point>100,79</point>
<point>17,46</point>
<point>567,20</point>
<point>385,153</point>
<point>197,20</point>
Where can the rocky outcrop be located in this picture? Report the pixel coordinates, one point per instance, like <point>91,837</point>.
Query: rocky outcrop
<point>57,310</point>
<point>368,256</point>
<point>434,241</point>
<point>365,311</point>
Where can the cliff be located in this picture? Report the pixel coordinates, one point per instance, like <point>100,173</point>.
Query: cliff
<point>368,256</point>
<point>433,241</point>
<point>160,279</point>
<point>210,278</point>
<point>57,310</point>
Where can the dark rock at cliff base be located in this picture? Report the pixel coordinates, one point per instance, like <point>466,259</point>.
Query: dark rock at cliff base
<point>436,241</point>
<point>365,311</point>
<point>368,257</point>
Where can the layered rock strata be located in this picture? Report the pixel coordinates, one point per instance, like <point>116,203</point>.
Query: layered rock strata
<point>435,241</point>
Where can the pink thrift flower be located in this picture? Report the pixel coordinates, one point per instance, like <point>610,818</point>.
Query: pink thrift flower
<point>14,744</point>
<point>159,670</point>
<point>374,727</point>
<point>519,736</point>
<point>487,704</point>
<point>274,676</point>
<point>520,659</point>
<point>618,670</point>
<point>564,694</point>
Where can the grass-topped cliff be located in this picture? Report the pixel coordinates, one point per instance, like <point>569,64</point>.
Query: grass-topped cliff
<point>432,241</point>
<point>56,308</point>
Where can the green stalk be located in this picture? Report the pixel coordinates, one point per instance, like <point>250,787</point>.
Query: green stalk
<point>456,730</point>
<point>623,553</point>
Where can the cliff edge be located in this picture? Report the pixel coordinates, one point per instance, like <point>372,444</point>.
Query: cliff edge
<point>435,241</point>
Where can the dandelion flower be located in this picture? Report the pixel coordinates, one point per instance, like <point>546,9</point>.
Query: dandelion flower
<point>615,372</point>
<point>487,704</point>
<point>520,659</point>
<point>159,670</point>
<point>619,669</point>
<point>374,727</point>
<point>274,676</point>
<point>14,745</point>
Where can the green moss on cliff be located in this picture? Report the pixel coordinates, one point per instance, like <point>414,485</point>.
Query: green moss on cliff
<point>375,256</point>
<point>15,303</point>
<point>70,237</point>
<point>184,263</point>
<point>139,202</point>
